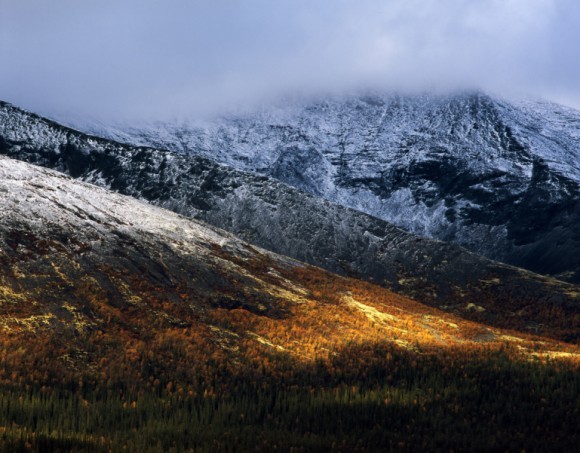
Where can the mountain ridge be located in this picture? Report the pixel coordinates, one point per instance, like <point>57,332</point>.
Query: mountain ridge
<point>290,222</point>
<point>57,229</point>
<point>500,178</point>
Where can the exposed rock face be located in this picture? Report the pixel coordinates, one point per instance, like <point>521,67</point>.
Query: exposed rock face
<point>290,222</point>
<point>500,178</point>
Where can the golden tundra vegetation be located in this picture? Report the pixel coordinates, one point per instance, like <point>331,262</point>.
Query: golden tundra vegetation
<point>329,362</point>
<point>114,338</point>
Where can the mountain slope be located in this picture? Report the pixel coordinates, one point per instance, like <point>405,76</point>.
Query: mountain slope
<point>287,221</point>
<point>500,178</point>
<point>78,256</point>
<point>125,326</point>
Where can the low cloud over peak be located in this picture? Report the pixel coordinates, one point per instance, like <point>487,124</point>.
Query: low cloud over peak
<point>159,59</point>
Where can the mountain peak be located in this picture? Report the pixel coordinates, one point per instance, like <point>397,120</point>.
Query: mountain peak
<point>498,177</point>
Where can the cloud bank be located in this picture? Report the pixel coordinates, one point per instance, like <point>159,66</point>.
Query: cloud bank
<point>157,59</point>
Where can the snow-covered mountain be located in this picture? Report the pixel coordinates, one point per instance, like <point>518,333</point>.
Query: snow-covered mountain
<point>290,222</point>
<point>500,178</point>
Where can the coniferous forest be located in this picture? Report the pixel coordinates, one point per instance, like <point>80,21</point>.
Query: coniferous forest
<point>368,396</point>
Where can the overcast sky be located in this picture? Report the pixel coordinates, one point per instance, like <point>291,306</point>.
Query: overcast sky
<point>172,57</point>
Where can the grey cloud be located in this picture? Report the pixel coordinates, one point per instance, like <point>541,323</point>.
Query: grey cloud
<point>159,58</point>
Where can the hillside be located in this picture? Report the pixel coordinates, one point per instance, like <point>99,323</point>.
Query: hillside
<point>125,325</point>
<point>76,258</point>
<point>498,177</point>
<point>292,223</point>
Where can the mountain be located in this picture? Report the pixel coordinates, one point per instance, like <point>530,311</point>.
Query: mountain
<point>126,326</point>
<point>77,259</point>
<point>500,178</point>
<point>290,222</point>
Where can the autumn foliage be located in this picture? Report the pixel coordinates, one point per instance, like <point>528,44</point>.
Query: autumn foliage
<point>261,354</point>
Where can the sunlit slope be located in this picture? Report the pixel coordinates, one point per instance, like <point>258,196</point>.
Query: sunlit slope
<point>125,326</point>
<point>85,264</point>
